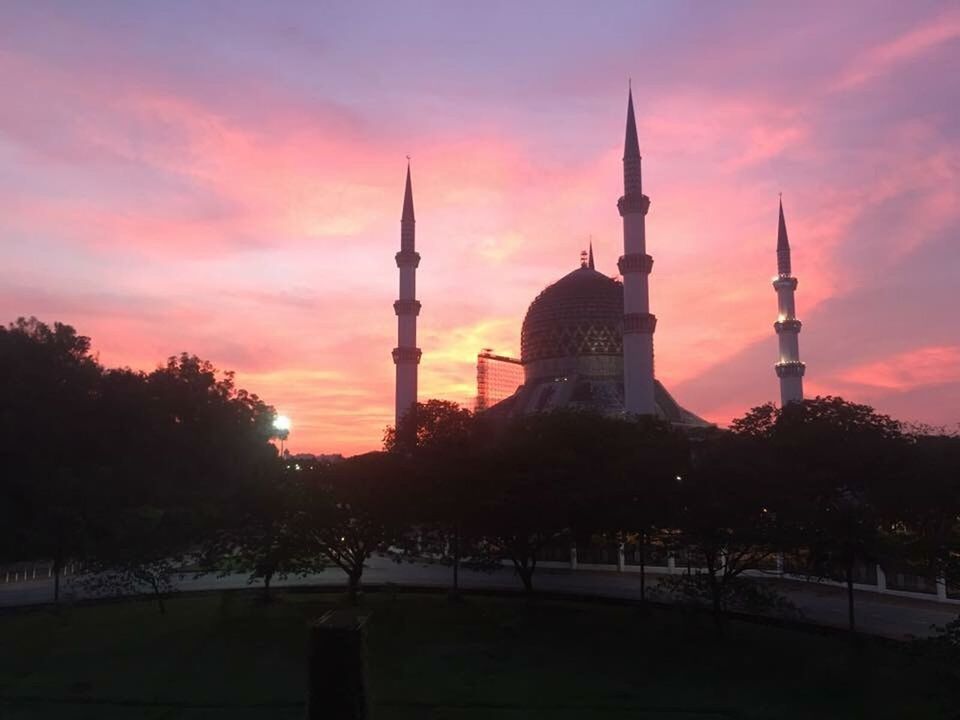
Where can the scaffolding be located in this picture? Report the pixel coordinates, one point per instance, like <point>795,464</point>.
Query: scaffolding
<point>498,377</point>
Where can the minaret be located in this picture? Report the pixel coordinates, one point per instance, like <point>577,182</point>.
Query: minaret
<point>635,267</point>
<point>406,356</point>
<point>789,368</point>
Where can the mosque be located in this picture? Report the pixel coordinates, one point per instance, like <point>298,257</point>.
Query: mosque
<point>587,339</point>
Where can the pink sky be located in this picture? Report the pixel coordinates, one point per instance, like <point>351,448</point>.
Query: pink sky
<point>226,179</point>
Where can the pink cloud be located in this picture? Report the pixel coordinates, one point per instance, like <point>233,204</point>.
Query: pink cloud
<point>249,213</point>
<point>908,370</point>
<point>883,58</point>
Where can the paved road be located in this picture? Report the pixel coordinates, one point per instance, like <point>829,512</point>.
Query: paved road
<point>889,616</point>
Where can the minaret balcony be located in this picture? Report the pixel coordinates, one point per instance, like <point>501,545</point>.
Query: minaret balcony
<point>785,281</point>
<point>635,263</point>
<point>407,356</point>
<point>408,258</point>
<point>643,323</point>
<point>407,307</point>
<point>633,203</point>
<point>790,368</point>
<point>789,326</point>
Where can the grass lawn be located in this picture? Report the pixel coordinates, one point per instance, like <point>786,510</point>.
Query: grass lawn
<point>228,655</point>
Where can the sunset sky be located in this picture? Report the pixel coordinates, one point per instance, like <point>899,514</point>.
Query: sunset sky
<point>226,178</point>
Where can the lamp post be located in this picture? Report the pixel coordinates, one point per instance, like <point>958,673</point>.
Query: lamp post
<point>281,423</point>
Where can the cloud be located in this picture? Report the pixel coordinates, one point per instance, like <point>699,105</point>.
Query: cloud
<point>233,188</point>
<point>908,370</point>
<point>886,57</point>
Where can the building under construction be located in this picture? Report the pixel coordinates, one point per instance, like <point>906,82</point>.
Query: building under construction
<point>498,377</point>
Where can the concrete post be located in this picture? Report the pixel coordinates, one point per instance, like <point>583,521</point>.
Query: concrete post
<point>941,589</point>
<point>881,580</point>
<point>671,564</point>
<point>621,560</point>
<point>780,564</point>
<point>337,673</point>
<point>573,557</point>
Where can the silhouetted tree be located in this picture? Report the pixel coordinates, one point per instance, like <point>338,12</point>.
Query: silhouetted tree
<point>536,471</point>
<point>447,467</point>
<point>85,450</point>
<point>837,456</point>
<point>627,489</point>
<point>353,509</point>
<point>922,512</point>
<point>139,550</point>
<point>260,533</point>
<point>48,382</point>
<point>729,517</point>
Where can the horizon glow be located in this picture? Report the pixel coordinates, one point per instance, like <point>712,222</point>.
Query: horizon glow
<point>227,179</point>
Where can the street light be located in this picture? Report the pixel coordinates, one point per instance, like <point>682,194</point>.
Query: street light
<point>281,423</point>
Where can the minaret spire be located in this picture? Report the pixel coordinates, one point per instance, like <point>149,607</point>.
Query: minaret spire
<point>789,368</point>
<point>632,180</point>
<point>590,261</point>
<point>635,266</point>
<point>407,215</point>
<point>783,245</point>
<point>406,356</point>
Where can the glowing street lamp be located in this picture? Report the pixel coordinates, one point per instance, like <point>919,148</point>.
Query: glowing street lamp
<point>281,423</point>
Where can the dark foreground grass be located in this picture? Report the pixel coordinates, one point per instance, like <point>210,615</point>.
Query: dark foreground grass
<point>229,655</point>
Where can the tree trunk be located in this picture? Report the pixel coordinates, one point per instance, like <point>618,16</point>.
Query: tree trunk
<point>643,566</point>
<point>353,586</point>
<point>526,577</point>
<point>159,597</point>
<point>525,571</point>
<point>716,589</point>
<point>850,614</point>
<point>56,582</point>
<point>456,561</point>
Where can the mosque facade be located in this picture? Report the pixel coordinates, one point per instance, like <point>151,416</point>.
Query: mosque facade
<point>587,339</point>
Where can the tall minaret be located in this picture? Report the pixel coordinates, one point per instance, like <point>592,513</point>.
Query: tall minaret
<point>789,368</point>
<point>406,356</point>
<point>635,267</point>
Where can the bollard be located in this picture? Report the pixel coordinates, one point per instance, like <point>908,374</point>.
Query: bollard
<point>337,672</point>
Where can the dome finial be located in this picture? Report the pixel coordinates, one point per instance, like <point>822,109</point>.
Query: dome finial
<point>590,261</point>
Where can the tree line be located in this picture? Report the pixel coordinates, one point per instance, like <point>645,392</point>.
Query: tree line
<point>141,475</point>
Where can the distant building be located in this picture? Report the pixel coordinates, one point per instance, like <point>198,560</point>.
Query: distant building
<point>587,339</point>
<point>309,461</point>
<point>498,377</point>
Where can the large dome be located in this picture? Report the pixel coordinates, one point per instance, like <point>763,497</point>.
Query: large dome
<point>571,347</point>
<point>579,315</point>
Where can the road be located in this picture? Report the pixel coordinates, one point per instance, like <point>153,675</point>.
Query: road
<point>888,616</point>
